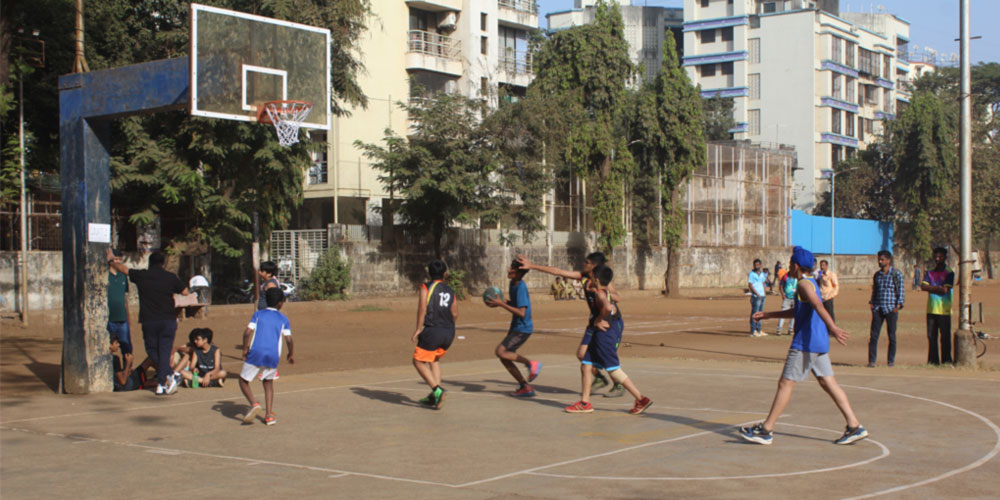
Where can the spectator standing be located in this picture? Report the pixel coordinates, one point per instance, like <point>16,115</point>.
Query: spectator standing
<point>157,315</point>
<point>829,287</point>
<point>118,311</point>
<point>938,283</point>
<point>886,301</point>
<point>755,281</point>
<point>268,280</point>
<point>779,273</point>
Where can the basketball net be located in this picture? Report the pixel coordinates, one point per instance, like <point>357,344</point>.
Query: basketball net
<point>287,117</point>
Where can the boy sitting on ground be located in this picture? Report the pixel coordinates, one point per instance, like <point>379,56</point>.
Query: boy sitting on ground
<point>204,367</point>
<point>125,378</point>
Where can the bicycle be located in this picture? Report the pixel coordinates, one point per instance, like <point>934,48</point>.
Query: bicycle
<point>979,338</point>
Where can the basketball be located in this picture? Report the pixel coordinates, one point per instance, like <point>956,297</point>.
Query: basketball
<point>492,293</point>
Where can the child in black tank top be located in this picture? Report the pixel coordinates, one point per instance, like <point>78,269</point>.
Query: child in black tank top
<point>436,314</point>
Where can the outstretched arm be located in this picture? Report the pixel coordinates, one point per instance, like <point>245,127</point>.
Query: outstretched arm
<point>555,271</point>
<point>116,262</point>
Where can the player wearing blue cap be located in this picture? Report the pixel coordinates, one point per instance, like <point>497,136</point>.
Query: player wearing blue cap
<point>809,352</point>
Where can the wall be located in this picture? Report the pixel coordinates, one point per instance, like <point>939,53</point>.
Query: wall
<point>44,280</point>
<point>851,236</point>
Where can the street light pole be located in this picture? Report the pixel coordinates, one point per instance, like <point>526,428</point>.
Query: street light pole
<point>24,205</point>
<point>965,353</point>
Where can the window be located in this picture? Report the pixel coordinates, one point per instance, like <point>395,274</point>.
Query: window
<point>836,155</point>
<point>835,125</point>
<point>317,170</point>
<point>754,81</point>
<point>861,94</point>
<point>887,68</point>
<point>708,70</point>
<point>887,100</point>
<point>754,115</point>
<point>770,7</point>
<point>727,34</point>
<point>484,45</point>
<point>484,87</point>
<point>837,50</point>
<point>708,36</point>
<point>861,128</point>
<point>868,62</point>
<point>754,46</point>
<point>837,91</point>
<point>482,22</point>
<point>850,49</point>
<point>704,3</point>
<point>418,20</point>
<point>726,68</point>
<point>850,86</point>
<point>849,124</point>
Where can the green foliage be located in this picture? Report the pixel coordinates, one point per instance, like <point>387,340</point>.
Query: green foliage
<point>666,132</point>
<point>330,279</point>
<point>456,280</point>
<point>864,187</point>
<point>922,145</point>
<point>717,118</point>
<point>582,72</point>
<point>443,170</point>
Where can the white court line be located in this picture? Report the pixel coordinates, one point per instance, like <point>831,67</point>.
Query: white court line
<point>885,453</point>
<point>982,460</point>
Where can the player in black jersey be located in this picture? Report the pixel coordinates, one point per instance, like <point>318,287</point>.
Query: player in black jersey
<point>593,260</point>
<point>436,315</point>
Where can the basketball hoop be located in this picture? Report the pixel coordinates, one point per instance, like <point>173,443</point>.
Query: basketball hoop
<point>287,117</point>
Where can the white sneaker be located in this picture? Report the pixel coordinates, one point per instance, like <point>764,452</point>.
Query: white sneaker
<point>159,390</point>
<point>172,383</point>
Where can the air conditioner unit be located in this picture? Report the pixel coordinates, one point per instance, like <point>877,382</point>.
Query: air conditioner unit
<point>447,21</point>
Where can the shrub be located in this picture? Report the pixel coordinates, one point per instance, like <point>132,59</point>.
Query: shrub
<point>330,278</point>
<point>456,280</point>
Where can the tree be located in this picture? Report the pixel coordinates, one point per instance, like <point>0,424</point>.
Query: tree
<point>717,115</point>
<point>668,142</point>
<point>442,170</point>
<point>864,186</point>
<point>585,69</point>
<point>922,146</point>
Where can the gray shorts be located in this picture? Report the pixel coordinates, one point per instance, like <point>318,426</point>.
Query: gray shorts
<point>798,364</point>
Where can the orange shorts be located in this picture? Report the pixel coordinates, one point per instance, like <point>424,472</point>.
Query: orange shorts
<point>428,356</point>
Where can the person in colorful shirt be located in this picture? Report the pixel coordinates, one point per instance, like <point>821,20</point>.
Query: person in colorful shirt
<point>787,287</point>
<point>755,282</point>
<point>938,284</point>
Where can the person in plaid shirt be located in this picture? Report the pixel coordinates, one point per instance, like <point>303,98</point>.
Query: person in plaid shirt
<point>887,299</point>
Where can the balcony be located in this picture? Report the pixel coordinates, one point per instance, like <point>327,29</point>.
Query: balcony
<point>518,13</point>
<point>433,52</point>
<point>516,67</point>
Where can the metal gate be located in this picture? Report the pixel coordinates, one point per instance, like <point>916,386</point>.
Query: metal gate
<point>297,251</point>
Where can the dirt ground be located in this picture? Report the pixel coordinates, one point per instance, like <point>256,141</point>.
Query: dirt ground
<point>372,332</point>
<point>351,427</point>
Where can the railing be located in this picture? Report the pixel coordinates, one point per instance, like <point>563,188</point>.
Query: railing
<point>521,5</point>
<point>433,44</point>
<point>317,173</point>
<point>517,62</point>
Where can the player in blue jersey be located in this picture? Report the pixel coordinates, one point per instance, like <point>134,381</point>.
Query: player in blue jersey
<point>809,352</point>
<point>437,311</point>
<point>593,260</point>
<point>262,352</point>
<point>519,307</point>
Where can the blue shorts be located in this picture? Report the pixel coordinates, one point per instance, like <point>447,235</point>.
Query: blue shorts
<point>588,334</point>
<point>603,350</point>
<point>119,330</point>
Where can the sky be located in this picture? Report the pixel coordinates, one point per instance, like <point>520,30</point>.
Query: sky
<point>933,23</point>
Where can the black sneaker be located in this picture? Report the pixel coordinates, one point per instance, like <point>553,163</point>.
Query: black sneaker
<point>851,435</point>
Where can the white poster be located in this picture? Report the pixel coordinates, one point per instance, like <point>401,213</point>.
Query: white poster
<point>99,233</point>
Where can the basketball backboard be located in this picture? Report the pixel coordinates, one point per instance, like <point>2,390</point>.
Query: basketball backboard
<point>240,61</point>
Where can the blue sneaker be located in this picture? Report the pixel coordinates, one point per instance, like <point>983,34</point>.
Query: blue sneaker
<point>851,435</point>
<point>756,434</point>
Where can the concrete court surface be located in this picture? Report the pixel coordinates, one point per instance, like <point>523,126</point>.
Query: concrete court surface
<point>361,434</point>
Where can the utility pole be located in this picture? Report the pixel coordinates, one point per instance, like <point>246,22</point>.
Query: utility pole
<point>79,60</point>
<point>37,60</point>
<point>965,353</point>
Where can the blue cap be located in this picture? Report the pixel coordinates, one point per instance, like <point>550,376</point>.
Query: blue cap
<point>803,257</point>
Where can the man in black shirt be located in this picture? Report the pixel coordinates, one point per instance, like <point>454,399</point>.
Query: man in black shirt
<point>157,316</point>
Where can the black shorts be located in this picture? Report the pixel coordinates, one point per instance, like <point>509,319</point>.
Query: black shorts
<point>514,340</point>
<point>432,339</point>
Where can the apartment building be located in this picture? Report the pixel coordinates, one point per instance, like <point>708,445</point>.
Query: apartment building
<point>645,29</point>
<point>469,46</point>
<point>801,73</point>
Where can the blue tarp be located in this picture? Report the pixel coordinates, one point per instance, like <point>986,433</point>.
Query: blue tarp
<point>851,236</point>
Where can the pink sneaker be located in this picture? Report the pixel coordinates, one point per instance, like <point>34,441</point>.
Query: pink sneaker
<point>535,368</point>
<point>524,392</point>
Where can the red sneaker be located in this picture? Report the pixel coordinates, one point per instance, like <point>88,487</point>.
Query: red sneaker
<point>580,407</point>
<point>640,405</point>
<point>525,391</point>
